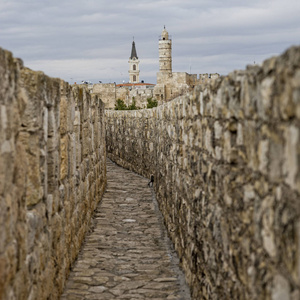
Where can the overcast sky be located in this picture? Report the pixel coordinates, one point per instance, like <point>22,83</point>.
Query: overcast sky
<point>91,39</point>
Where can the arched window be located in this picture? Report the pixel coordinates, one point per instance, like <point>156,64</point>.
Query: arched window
<point>134,78</point>
<point>134,67</point>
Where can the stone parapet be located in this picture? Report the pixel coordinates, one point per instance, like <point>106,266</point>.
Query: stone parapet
<point>52,175</point>
<point>227,177</point>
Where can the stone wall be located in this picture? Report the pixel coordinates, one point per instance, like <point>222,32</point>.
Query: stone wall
<point>110,92</point>
<point>203,78</point>
<point>52,175</point>
<point>227,178</point>
<point>139,96</point>
<point>172,85</point>
<point>106,92</point>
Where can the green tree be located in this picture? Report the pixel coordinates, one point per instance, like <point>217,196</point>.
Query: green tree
<point>151,102</point>
<point>132,106</point>
<point>120,105</point>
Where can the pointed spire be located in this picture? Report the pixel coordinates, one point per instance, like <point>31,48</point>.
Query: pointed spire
<point>133,51</point>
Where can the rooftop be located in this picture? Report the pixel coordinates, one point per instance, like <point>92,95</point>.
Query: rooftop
<point>134,84</point>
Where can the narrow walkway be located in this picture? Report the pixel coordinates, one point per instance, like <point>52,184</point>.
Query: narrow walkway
<point>128,254</point>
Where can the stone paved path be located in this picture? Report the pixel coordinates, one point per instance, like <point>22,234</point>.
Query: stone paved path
<point>128,254</point>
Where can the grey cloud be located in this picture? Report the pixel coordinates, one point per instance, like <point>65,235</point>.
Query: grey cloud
<point>214,35</point>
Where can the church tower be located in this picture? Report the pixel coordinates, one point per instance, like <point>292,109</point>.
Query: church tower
<point>165,52</point>
<point>134,72</point>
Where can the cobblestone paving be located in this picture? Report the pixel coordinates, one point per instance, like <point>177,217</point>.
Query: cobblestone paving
<point>127,255</point>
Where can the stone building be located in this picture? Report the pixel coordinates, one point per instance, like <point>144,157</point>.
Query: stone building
<point>138,92</point>
<point>169,84</point>
<point>134,90</point>
<point>110,92</point>
<point>173,84</point>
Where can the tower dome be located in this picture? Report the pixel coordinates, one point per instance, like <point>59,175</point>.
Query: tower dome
<point>164,34</point>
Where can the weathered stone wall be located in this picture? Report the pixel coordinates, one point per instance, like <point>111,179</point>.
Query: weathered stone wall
<point>52,175</point>
<point>106,92</point>
<point>123,94</point>
<point>139,95</point>
<point>227,178</point>
<point>172,85</point>
<point>203,78</point>
<point>109,93</point>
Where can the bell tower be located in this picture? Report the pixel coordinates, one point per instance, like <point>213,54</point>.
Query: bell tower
<point>134,72</point>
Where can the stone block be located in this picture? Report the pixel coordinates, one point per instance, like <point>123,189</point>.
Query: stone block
<point>63,108</point>
<point>64,157</point>
<point>280,289</point>
<point>264,102</point>
<point>263,151</point>
<point>291,154</point>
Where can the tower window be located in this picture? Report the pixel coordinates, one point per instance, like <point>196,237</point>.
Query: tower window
<point>134,78</point>
<point>134,67</point>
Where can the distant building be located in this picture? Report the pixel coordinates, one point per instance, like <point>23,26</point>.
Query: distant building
<point>139,92</point>
<point>173,84</point>
<point>110,92</point>
<point>140,85</point>
<point>169,84</point>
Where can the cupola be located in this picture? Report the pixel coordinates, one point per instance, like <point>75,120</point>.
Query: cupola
<point>164,34</point>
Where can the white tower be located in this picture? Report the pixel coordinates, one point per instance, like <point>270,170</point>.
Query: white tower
<point>165,52</point>
<point>134,72</point>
